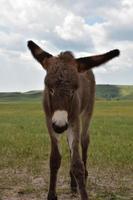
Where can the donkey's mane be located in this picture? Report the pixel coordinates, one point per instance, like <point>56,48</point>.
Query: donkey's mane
<point>66,56</point>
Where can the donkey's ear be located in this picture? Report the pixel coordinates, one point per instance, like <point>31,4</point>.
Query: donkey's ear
<point>39,54</point>
<point>87,63</point>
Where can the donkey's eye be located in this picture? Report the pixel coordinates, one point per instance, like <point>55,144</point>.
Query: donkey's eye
<point>51,91</point>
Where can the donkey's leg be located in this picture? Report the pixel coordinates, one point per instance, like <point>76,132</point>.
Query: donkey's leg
<point>55,161</point>
<point>85,139</point>
<point>73,182</point>
<point>77,166</point>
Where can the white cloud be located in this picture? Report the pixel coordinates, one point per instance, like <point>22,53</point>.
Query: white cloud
<point>85,27</point>
<point>72,28</point>
<point>12,41</point>
<point>75,30</point>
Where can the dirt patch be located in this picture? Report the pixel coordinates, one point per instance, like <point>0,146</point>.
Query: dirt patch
<point>102,185</point>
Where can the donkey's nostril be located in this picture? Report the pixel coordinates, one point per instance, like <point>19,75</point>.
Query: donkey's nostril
<point>59,129</point>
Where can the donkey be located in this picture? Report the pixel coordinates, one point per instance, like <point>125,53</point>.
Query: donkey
<point>68,97</point>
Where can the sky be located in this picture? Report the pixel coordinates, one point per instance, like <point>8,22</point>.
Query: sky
<point>84,27</point>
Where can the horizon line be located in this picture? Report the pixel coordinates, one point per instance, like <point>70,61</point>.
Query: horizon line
<point>24,91</point>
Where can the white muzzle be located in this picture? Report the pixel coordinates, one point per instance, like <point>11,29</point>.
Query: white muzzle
<point>60,118</point>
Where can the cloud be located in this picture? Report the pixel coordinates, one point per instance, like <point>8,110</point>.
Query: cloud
<point>12,41</point>
<point>85,27</point>
<point>75,32</point>
<point>119,22</point>
<point>86,8</point>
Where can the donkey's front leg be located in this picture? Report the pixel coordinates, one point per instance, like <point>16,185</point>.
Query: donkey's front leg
<point>77,166</point>
<point>78,171</point>
<point>55,161</point>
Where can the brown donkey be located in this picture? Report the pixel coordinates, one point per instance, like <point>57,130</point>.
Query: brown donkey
<point>69,94</point>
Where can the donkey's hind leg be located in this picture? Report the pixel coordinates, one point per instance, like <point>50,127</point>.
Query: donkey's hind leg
<point>85,139</point>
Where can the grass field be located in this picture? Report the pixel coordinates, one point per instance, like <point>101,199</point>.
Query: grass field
<point>24,147</point>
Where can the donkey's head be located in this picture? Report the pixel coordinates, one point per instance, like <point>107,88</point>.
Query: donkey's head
<point>62,80</point>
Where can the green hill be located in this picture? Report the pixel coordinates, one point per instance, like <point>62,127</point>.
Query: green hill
<point>19,96</point>
<point>108,92</point>
<point>114,92</point>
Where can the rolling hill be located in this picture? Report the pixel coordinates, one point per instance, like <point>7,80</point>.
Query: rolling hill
<point>114,92</point>
<point>108,92</point>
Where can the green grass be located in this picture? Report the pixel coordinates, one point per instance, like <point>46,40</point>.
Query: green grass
<point>24,137</point>
<point>112,133</point>
<point>25,144</point>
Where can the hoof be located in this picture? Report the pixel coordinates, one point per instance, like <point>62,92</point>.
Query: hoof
<point>73,183</point>
<point>52,196</point>
<point>86,176</point>
<point>74,190</point>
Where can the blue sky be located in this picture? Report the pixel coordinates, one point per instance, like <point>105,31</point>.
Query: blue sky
<point>85,28</point>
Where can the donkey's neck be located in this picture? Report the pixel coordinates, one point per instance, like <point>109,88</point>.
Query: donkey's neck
<point>86,91</point>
